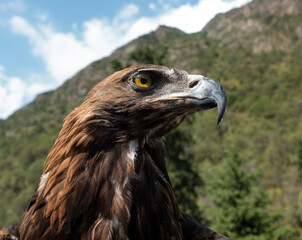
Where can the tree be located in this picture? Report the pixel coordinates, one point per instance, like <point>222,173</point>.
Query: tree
<point>240,203</point>
<point>116,65</point>
<point>148,55</point>
<point>184,176</point>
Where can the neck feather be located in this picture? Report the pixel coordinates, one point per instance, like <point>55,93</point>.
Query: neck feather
<point>103,190</point>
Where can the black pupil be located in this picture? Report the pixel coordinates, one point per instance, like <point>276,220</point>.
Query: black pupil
<point>144,80</point>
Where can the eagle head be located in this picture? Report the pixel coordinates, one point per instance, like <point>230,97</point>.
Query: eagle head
<point>149,101</point>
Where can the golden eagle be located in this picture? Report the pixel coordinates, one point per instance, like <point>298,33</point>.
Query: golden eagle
<point>105,176</point>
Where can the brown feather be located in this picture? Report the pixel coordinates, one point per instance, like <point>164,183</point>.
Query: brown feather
<point>105,176</point>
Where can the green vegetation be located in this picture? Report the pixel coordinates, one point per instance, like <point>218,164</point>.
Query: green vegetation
<point>148,55</point>
<point>182,173</point>
<point>260,68</point>
<point>239,203</point>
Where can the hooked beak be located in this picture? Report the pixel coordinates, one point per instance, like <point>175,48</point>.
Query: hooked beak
<point>202,93</point>
<point>206,93</point>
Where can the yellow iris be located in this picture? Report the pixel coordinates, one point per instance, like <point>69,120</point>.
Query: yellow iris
<point>142,80</point>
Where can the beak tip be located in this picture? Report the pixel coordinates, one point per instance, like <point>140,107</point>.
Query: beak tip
<point>221,105</point>
<point>219,120</point>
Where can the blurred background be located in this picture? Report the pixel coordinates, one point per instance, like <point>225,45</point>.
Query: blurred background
<point>242,178</point>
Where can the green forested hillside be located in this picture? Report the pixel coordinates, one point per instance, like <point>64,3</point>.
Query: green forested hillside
<point>256,53</point>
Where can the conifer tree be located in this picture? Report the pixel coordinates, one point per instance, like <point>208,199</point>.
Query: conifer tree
<point>240,203</point>
<point>183,175</point>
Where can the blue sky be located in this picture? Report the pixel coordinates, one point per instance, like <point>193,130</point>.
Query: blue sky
<point>43,43</point>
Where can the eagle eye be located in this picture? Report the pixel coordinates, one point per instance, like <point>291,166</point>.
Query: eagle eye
<point>142,80</point>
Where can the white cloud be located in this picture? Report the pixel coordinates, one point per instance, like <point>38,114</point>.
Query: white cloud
<point>16,5</point>
<point>192,18</point>
<point>14,92</point>
<point>74,27</point>
<point>42,17</point>
<point>126,13</point>
<point>11,93</point>
<point>65,53</point>
<point>62,53</point>
<point>152,6</point>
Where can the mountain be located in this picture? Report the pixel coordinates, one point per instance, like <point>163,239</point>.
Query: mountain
<point>255,52</point>
<point>263,25</point>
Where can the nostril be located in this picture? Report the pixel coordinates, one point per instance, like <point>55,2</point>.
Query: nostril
<point>193,83</point>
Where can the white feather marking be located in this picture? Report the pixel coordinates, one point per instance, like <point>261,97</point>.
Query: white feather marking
<point>118,191</point>
<point>13,237</point>
<point>132,154</point>
<point>170,72</point>
<point>116,225</point>
<point>43,180</point>
<point>95,226</point>
<point>110,232</point>
<point>113,181</point>
<point>128,212</point>
<point>115,221</point>
<point>133,147</point>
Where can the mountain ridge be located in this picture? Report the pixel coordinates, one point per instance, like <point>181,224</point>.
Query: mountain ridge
<point>257,17</point>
